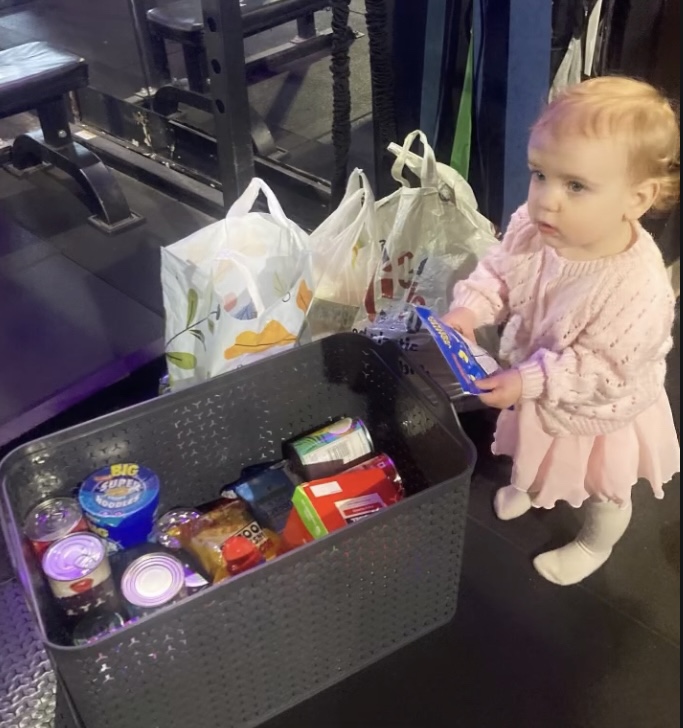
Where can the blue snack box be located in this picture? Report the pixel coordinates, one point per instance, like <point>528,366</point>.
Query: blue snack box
<point>468,361</point>
<point>268,489</point>
<point>119,502</point>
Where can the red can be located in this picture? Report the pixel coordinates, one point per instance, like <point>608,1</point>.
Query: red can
<point>51,521</point>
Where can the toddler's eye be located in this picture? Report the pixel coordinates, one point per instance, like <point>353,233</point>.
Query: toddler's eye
<point>576,187</point>
<point>538,175</point>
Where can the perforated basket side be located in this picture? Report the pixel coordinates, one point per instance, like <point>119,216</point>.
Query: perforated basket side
<point>274,637</point>
<point>254,646</point>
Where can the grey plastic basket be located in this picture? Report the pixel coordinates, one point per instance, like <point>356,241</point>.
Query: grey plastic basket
<point>245,650</point>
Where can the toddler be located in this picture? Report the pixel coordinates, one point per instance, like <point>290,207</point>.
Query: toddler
<point>589,311</point>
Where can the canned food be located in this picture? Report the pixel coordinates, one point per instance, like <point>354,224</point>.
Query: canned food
<point>96,626</point>
<point>194,581</point>
<point>51,521</point>
<point>119,503</point>
<point>174,527</point>
<point>79,574</point>
<point>153,581</point>
<point>331,449</point>
<point>385,463</point>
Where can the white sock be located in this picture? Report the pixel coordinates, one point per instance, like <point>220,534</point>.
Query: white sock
<point>511,503</point>
<point>605,524</point>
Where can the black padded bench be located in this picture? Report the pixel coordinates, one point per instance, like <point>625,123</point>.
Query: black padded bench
<point>181,22</point>
<point>36,76</point>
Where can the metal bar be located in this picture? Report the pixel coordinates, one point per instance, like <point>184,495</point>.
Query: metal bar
<point>54,122</point>
<point>177,146</point>
<point>152,74</point>
<point>181,179</point>
<point>305,26</point>
<point>168,177</point>
<point>276,14</point>
<point>225,50</point>
<point>272,60</point>
<point>196,67</point>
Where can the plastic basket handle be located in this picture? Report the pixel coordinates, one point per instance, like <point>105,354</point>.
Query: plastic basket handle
<point>427,390</point>
<point>11,531</point>
<point>8,529</point>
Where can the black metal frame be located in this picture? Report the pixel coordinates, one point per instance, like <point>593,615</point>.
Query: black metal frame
<point>229,158</point>
<point>181,148</point>
<point>196,92</point>
<point>149,61</point>
<point>54,145</point>
<point>225,50</point>
<point>168,98</point>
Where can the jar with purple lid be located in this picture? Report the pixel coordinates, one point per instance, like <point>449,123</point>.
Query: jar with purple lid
<point>153,581</point>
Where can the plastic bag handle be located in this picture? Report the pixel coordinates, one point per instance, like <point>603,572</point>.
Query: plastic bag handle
<point>248,278</point>
<point>245,203</point>
<point>358,181</point>
<point>428,173</point>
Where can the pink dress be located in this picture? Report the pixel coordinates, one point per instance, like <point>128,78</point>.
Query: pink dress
<point>590,340</point>
<point>577,467</point>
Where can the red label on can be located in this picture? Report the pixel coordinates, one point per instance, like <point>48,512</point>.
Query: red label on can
<point>82,585</point>
<point>41,546</point>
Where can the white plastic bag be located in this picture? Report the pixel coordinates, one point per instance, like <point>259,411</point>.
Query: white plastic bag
<point>346,253</point>
<point>235,291</point>
<point>433,236</point>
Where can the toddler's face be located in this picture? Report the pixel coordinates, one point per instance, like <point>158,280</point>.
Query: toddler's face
<point>580,195</point>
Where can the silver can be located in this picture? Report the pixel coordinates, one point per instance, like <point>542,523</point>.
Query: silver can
<point>151,582</point>
<point>194,581</point>
<point>51,521</point>
<point>331,449</point>
<point>78,572</point>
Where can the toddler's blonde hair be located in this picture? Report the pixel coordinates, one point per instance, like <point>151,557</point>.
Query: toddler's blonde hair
<point>633,110</point>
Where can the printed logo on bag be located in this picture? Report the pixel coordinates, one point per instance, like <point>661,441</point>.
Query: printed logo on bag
<point>407,277</point>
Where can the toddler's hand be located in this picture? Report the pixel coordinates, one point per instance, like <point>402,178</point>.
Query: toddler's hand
<point>503,390</point>
<point>463,321</point>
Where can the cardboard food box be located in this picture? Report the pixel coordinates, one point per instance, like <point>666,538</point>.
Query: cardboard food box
<point>328,504</point>
<point>468,361</point>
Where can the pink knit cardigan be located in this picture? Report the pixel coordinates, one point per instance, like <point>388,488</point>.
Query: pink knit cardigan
<point>590,338</point>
